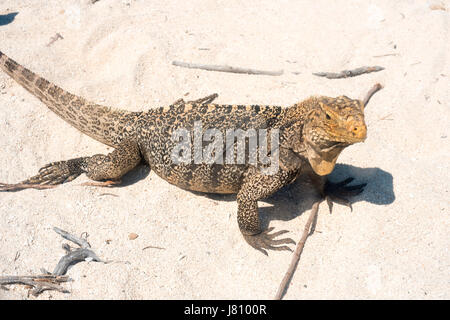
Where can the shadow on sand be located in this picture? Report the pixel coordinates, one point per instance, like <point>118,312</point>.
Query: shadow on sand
<point>298,197</point>
<point>7,18</point>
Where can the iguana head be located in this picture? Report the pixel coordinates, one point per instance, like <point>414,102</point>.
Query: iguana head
<point>330,125</point>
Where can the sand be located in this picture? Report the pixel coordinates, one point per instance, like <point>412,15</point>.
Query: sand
<point>393,245</point>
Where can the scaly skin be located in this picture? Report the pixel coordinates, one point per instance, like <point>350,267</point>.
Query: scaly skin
<point>312,134</point>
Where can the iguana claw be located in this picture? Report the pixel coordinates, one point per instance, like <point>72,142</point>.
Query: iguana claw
<point>264,240</point>
<point>339,191</point>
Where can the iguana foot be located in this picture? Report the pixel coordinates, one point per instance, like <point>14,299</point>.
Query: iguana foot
<point>49,176</point>
<point>338,192</point>
<point>57,172</point>
<point>264,240</point>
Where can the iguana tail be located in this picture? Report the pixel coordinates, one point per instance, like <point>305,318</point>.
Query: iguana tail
<point>107,125</point>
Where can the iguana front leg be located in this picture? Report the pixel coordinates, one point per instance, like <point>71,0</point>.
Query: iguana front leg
<point>258,186</point>
<point>98,167</point>
<point>336,192</point>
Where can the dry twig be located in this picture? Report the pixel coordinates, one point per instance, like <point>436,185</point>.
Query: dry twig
<point>348,73</point>
<point>371,92</point>
<point>298,251</point>
<point>40,282</point>
<point>225,68</point>
<point>55,38</point>
<point>108,194</point>
<point>50,281</point>
<point>73,256</point>
<point>153,247</point>
<point>385,55</point>
<point>386,117</point>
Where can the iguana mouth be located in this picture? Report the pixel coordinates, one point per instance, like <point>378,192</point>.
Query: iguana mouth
<point>328,145</point>
<point>325,147</point>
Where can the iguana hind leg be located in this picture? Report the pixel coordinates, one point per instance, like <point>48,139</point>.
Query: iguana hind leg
<point>98,167</point>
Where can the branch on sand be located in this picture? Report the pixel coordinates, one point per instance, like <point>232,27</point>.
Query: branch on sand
<point>225,68</point>
<point>371,92</point>
<point>348,73</point>
<point>298,251</point>
<point>51,281</point>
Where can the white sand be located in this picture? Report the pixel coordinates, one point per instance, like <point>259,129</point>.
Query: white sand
<point>393,245</point>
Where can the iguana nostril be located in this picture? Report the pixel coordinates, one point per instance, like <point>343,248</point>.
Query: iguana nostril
<point>359,131</point>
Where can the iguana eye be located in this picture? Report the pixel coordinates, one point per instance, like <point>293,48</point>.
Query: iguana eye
<point>328,117</point>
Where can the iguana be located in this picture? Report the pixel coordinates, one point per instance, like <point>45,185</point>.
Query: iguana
<point>311,135</point>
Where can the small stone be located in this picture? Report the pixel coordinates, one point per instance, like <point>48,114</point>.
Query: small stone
<point>132,236</point>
